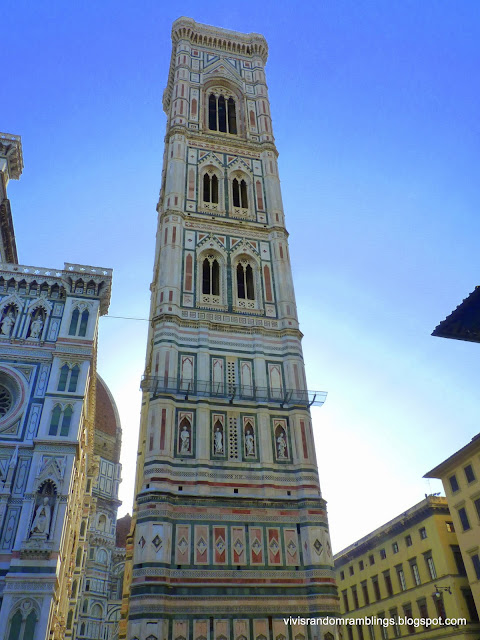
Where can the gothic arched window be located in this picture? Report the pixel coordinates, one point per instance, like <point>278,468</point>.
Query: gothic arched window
<point>222,114</point>
<point>83,324</point>
<point>74,330</point>
<point>239,192</point>
<point>61,419</point>
<point>211,276</point>
<point>210,188</point>
<point>245,286</point>
<point>72,385</point>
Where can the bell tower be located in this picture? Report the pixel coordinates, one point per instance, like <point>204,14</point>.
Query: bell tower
<point>230,532</point>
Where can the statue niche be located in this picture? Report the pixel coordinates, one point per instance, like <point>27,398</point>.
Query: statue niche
<point>44,505</point>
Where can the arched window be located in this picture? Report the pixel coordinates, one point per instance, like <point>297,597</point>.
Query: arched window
<point>83,324</point>
<point>74,329</point>
<point>210,188</point>
<point>245,286</point>
<point>62,381</point>
<point>74,589</point>
<point>102,523</point>
<point>72,386</point>
<point>70,619</point>
<point>74,322</point>
<point>66,421</point>
<point>239,193</point>
<point>82,528</point>
<point>102,556</point>
<point>211,276</point>
<point>222,115</point>
<point>56,415</point>
<point>78,559</point>
<point>23,628</point>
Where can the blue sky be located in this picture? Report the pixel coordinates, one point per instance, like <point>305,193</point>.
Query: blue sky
<point>375,110</point>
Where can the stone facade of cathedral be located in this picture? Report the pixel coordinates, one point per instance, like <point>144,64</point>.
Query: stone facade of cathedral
<point>59,445</point>
<point>230,531</point>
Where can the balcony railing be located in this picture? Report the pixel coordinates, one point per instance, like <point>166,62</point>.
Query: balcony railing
<point>159,385</point>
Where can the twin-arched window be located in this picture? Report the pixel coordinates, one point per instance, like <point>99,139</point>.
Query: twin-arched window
<point>60,421</point>
<point>76,330</point>
<point>222,115</point>
<point>210,188</point>
<point>211,276</point>
<point>245,286</point>
<point>68,378</point>
<point>239,193</point>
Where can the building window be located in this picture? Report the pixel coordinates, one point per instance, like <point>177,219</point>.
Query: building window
<point>450,527</point>
<point>74,329</point>
<point>342,575</point>
<point>469,475</point>
<point>383,554</point>
<point>371,630</point>
<point>245,287</point>
<point>457,556</point>
<point>408,540</point>
<point>453,483</point>
<point>345,601</point>
<point>395,547</point>
<point>356,603</point>
<point>239,193</point>
<point>351,570</point>
<point>222,114</point>
<point>477,506</point>
<point>401,579</point>
<point>407,610</point>
<point>350,633</point>
<point>423,533</point>
<point>366,597</point>
<point>388,583</point>
<point>361,565</point>
<point>470,602</point>
<point>211,276</point>
<point>476,565</point>
<point>376,587</point>
<point>371,559</point>
<point>423,609</point>
<point>68,377</point>
<point>360,632</point>
<point>210,188</point>
<point>462,514</point>
<point>415,573</point>
<point>431,567</point>
<point>60,421</point>
<point>440,607</point>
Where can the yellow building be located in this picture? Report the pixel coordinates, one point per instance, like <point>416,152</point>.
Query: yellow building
<point>411,567</point>
<point>460,474</point>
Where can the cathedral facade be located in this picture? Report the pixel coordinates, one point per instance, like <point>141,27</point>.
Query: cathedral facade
<point>230,532</point>
<point>56,467</point>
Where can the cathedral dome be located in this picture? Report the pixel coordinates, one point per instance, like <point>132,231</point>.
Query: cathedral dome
<point>108,430</point>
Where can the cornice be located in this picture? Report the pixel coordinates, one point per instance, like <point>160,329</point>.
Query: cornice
<point>237,143</point>
<point>11,149</point>
<point>225,225</point>
<point>233,42</point>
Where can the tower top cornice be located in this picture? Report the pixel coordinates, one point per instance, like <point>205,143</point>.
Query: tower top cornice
<point>223,39</point>
<point>11,151</point>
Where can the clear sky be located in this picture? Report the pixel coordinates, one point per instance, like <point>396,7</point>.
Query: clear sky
<point>375,109</point>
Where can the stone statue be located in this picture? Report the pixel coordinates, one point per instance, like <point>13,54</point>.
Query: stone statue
<point>250,443</point>
<point>281,446</point>
<point>7,324</point>
<point>36,327</point>
<point>218,441</point>
<point>185,440</point>
<point>41,522</point>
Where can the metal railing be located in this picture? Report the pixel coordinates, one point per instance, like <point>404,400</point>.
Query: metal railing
<point>159,385</point>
